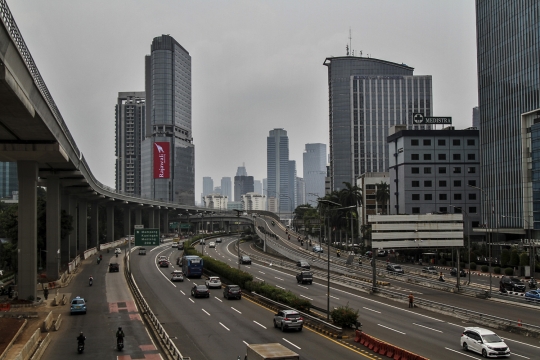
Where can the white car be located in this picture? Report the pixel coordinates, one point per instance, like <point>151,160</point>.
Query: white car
<point>212,244</point>
<point>484,342</point>
<point>117,251</point>
<point>177,276</point>
<point>213,282</point>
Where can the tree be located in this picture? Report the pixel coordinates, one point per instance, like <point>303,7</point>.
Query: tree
<point>383,195</point>
<point>505,257</point>
<point>514,258</point>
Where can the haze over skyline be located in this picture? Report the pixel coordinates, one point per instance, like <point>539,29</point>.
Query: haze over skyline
<point>256,66</point>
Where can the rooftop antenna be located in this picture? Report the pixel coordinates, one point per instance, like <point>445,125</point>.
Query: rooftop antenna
<point>347,48</point>
<point>350,39</point>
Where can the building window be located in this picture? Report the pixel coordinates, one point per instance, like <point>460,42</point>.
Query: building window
<point>427,170</point>
<point>457,183</point>
<point>470,142</point>
<point>472,182</point>
<point>428,197</point>
<point>471,156</point>
<point>443,197</point>
<point>416,197</point>
<point>427,183</point>
<point>472,196</point>
<point>442,170</point>
<point>442,183</point>
<point>472,210</point>
<point>441,142</point>
<point>415,170</point>
<point>442,156</point>
<point>471,170</point>
<point>457,196</point>
<point>443,209</point>
<point>457,210</point>
<point>456,142</point>
<point>415,157</point>
<point>416,210</point>
<point>370,187</point>
<point>456,156</point>
<point>427,156</point>
<point>415,184</point>
<point>456,170</point>
<point>427,142</point>
<point>415,142</point>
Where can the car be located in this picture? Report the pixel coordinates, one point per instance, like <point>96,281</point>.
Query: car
<point>394,268</point>
<point>162,257</point>
<point>382,253</point>
<point>142,251</point>
<point>202,242</point>
<point>78,305</point>
<point>430,270</point>
<point>212,245</point>
<point>244,259</point>
<point>218,240</point>
<point>484,342</point>
<point>117,251</point>
<point>288,319</point>
<point>213,282</point>
<point>462,272</point>
<point>114,267</point>
<point>232,291</point>
<point>303,264</point>
<point>181,246</point>
<point>174,245</point>
<point>304,277</point>
<point>177,276</point>
<point>164,263</point>
<point>512,284</point>
<point>532,295</point>
<point>318,249</point>
<point>273,223</point>
<point>200,291</point>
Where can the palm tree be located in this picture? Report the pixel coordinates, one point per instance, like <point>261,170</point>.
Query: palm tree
<point>383,195</point>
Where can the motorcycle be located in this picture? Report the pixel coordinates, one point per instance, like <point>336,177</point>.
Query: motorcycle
<point>90,281</point>
<point>116,255</point>
<point>338,254</point>
<point>98,260</point>
<point>532,284</point>
<point>80,348</point>
<point>120,344</point>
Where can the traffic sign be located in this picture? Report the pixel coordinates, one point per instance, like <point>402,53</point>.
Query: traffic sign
<point>420,119</point>
<point>185,226</point>
<point>146,237</point>
<point>139,226</point>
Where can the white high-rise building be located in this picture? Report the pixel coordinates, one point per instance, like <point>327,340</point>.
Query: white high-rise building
<point>216,201</point>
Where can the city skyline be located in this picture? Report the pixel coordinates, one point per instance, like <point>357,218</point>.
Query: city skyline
<point>258,88</point>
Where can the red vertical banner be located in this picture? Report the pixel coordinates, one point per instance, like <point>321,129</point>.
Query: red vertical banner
<point>162,156</point>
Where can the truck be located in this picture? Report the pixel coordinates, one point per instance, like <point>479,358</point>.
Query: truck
<point>304,277</point>
<point>271,351</point>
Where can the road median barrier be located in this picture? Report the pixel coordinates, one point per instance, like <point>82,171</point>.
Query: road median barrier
<point>384,348</point>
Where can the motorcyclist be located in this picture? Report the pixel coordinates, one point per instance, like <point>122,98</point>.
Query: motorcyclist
<point>100,257</point>
<point>80,339</point>
<point>119,336</point>
<point>90,280</point>
<point>338,253</point>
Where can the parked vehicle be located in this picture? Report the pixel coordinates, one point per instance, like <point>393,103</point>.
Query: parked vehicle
<point>484,342</point>
<point>232,291</point>
<point>288,319</point>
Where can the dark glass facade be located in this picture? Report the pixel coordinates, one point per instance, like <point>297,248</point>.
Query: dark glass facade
<point>9,180</point>
<point>277,168</point>
<point>535,174</point>
<point>508,50</point>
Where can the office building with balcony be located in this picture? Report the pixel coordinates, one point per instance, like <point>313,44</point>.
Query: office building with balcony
<point>253,201</point>
<point>216,201</point>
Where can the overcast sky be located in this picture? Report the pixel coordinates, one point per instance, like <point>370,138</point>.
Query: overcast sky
<point>256,66</point>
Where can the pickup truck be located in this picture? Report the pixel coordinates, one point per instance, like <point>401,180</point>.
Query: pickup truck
<point>304,277</point>
<point>272,351</point>
<point>114,267</point>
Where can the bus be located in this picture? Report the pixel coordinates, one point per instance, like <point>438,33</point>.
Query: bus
<point>192,266</point>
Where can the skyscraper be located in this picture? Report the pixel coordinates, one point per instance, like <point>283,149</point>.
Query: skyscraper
<point>258,187</point>
<point>9,180</point>
<point>168,153</point>
<point>508,48</point>
<point>242,186</point>
<point>130,132</point>
<point>292,185</point>
<point>241,171</point>
<point>314,164</point>
<point>366,97</point>
<point>226,187</point>
<point>277,169</point>
<point>208,185</point>
<point>300,191</point>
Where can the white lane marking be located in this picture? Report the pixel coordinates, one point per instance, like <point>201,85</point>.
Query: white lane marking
<point>386,327</point>
<point>305,287</point>
<point>206,312</point>
<point>224,326</point>
<point>173,284</point>
<point>461,326</point>
<point>236,310</point>
<point>522,343</point>
<point>334,297</point>
<point>306,297</point>
<point>261,272</point>
<point>190,299</point>
<point>183,293</point>
<point>274,270</point>
<point>229,259</point>
<point>261,325</point>
<point>218,299</point>
<point>279,278</point>
<point>378,312</point>
<point>298,347</point>
<point>281,287</point>
<point>258,278</point>
<point>460,353</point>
<point>245,342</point>
<point>249,267</point>
<point>428,328</point>
<point>520,355</point>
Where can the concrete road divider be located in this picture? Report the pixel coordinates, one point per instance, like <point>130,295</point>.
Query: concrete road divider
<point>384,348</point>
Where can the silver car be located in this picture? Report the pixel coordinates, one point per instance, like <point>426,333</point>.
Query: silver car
<point>288,319</point>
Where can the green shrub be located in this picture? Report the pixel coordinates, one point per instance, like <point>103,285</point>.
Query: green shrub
<point>344,316</point>
<point>485,268</point>
<point>514,258</point>
<point>497,270</point>
<point>524,259</point>
<point>283,296</point>
<point>505,257</point>
<point>509,271</point>
<point>473,266</point>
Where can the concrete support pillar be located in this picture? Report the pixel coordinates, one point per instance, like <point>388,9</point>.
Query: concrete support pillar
<point>127,221</point>
<point>83,226</point>
<point>27,215</point>
<point>165,222</point>
<point>151,218</point>
<point>157,221</point>
<point>110,223</point>
<point>52,216</point>
<point>64,242</point>
<point>138,216</point>
<point>73,235</point>
<point>94,225</point>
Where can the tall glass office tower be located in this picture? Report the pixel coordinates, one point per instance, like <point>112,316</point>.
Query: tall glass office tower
<point>508,51</point>
<point>314,172</point>
<point>366,97</point>
<point>168,153</point>
<point>277,168</point>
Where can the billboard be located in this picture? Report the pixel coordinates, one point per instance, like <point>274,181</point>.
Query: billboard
<point>162,156</point>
